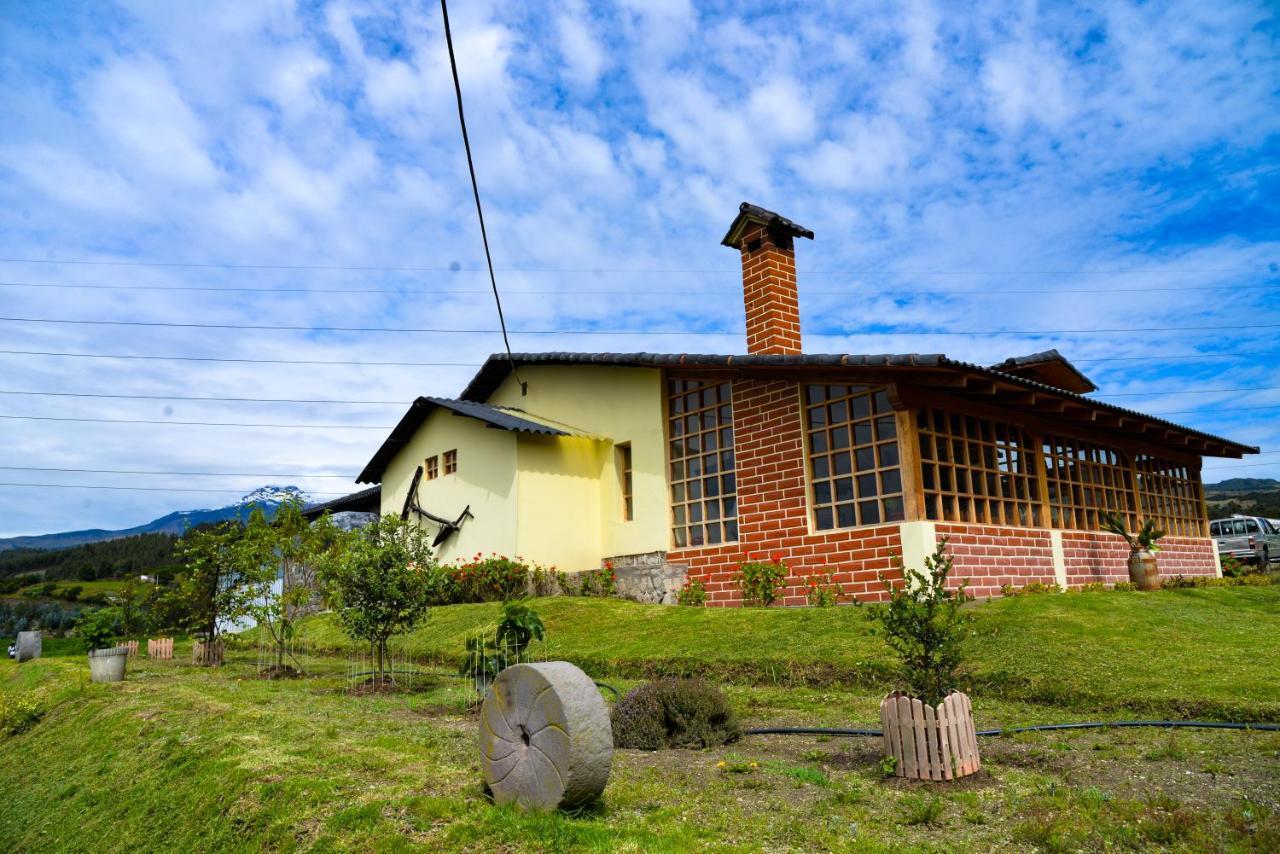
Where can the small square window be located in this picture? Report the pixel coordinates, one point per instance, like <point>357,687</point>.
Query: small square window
<point>450,462</point>
<point>433,468</point>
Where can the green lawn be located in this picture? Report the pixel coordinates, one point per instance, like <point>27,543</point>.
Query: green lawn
<point>1180,653</point>
<point>183,758</point>
<point>109,586</point>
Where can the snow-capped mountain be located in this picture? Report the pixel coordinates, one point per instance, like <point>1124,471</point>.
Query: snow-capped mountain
<point>267,497</point>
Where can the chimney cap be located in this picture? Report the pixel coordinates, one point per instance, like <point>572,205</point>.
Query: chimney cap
<point>749,214</point>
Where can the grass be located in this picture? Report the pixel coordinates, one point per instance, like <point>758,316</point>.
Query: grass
<point>185,758</point>
<point>1193,653</point>
<point>182,758</point>
<point>109,586</point>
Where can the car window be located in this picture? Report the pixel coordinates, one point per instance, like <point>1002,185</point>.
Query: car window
<point>1251,526</point>
<point>1266,526</point>
<point>1213,529</point>
<point>1238,526</point>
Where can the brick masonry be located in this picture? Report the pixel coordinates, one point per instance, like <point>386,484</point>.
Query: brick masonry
<point>773,521</point>
<point>769,292</point>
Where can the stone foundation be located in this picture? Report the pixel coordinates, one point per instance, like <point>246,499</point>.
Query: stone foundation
<point>649,577</point>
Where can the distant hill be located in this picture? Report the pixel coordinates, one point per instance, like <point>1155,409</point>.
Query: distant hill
<point>152,554</point>
<point>1243,484</point>
<point>267,497</point>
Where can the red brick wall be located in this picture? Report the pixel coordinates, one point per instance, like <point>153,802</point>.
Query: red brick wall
<point>773,520</point>
<point>772,508</point>
<point>769,294</point>
<point>989,556</point>
<point>1095,556</point>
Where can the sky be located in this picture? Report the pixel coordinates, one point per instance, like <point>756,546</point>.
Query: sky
<point>984,180</point>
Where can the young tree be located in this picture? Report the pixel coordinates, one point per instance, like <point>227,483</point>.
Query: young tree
<point>209,592</point>
<point>263,555</point>
<point>379,580</point>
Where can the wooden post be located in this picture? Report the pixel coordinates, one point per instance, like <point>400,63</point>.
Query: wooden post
<point>909,466</point>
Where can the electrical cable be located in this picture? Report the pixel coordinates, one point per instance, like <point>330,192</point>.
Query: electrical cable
<point>135,488</point>
<point>446,331</point>
<point>475,189</point>
<point>194,423</point>
<point>875,733</point>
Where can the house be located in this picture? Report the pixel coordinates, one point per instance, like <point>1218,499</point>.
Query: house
<point>674,463</point>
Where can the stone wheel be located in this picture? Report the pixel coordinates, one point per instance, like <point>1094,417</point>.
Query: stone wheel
<point>545,739</point>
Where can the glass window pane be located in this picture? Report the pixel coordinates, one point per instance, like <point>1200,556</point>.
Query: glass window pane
<point>822,492</point>
<point>870,512</point>
<point>845,517</point>
<point>867,485</point>
<point>823,519</point>
<point>890,481</point>
<point>844,489</point>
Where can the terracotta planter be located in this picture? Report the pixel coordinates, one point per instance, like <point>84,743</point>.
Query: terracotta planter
<point>1143,572</point>
<point>107,665</point>
<point>930,742</point>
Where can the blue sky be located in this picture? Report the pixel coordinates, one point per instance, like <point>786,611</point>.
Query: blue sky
<point>978,170</point>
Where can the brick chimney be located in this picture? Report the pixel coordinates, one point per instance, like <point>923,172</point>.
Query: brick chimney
<point>766,241</point>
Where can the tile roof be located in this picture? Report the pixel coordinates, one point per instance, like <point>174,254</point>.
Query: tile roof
<point>366,500</point>
<point>749,213</point>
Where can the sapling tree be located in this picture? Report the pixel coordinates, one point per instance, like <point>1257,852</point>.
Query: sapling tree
<point>379,580</point>
<point>263,555</point>
<point>209,593</point>
<point>923,623</point>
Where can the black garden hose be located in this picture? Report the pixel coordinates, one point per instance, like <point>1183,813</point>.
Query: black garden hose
<point>1036,728</point>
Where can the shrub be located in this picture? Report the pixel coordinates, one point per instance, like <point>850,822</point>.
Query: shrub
<point>693,593</point>
<point>923,623</point>
<point>97,629</point>
<point>1030,589</point>
<point>761,580</point>
<point>1092,587</point>
<point>488,579</point>
<point>18,713</point>
<point>597,582</point>
<point>487,657</point>
<point>1233,568</point>
<point>823,591</point>
<point>73,592</point>
<point>1124,587</point>
<point>674,713</point>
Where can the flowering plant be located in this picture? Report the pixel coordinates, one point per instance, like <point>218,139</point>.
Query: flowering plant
<point>762,580</point>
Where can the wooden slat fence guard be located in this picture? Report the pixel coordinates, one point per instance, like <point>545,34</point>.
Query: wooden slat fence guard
<point>132,646</point>
<point>161,648</point>
<point>930,742</point>
<point>203,653</point>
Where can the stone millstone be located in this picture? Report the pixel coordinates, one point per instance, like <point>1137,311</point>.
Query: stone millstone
<point>29,646</point>
<point>545,739</point>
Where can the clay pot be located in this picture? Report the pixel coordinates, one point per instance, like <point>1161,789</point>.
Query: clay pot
<point>1143,572</point>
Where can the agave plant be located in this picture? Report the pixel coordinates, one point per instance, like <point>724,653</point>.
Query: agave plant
<point>1143,541</point>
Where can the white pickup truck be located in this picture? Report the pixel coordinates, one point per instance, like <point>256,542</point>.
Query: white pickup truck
<point>1248,538</point>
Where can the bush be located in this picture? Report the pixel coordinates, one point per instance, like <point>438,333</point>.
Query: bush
<point>485,658</point>
<point>1124,587</point>
<point>1031,588</point>
<point>596,582</point>
<point>922,623</point>
<point>694,593</point>
<point>761,580</point>
<point>487,579</point>
<point>823,591</point>
<point>1233,568</point>
<point>18,713</point>
<point>1092,587</point>
<point>674,713</point>
<point>98,629</point>
<point>72,593</point>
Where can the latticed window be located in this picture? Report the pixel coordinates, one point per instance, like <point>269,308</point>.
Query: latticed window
<point>1171,494</point>
<point>450,462</point>
<point>1086,481</point>
<point>704,489</point>
<point>853,456</point>
<point>976,470</point>
<point>433,467</point>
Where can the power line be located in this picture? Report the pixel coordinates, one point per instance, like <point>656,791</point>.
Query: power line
<point>179,473</point>
<point>240,361</point>
<point>690,332</point>
<point>855,271</point>
<point>475,190</point>
<point>206,398</point>
<point>724,291</point>
<point>194,423</point>
<point>216,399</point>
<point>136,488</point>
<point>344,363</point>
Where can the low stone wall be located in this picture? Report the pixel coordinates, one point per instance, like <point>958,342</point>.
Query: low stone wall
<point>649,577</point>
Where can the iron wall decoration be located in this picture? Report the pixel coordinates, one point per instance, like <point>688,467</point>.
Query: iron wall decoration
<point>447,527</point>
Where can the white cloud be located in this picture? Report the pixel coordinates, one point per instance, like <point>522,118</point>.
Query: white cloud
<point>584,56</point>
<point>1028,83</point>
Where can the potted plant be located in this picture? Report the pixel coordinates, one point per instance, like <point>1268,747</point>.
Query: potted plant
<point>929,732</point>
<point>1143,571</point>
<point>97,629</point>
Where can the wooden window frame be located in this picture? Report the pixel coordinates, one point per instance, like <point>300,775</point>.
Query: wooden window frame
<point>684,506</point>
<point>433,467</point>
<point>626,480</point>
<point>451,462</point>
<point>834,415</point>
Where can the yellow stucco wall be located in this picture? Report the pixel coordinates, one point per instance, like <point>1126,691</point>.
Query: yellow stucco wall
<point>617,405</point>
<point>486,480</point>
<point>555,500</point>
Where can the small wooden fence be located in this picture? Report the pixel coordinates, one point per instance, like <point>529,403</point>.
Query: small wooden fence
<point>161,648</point>
<point>928,742</point>
<point>132,646</point>
<point>206,653</point>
